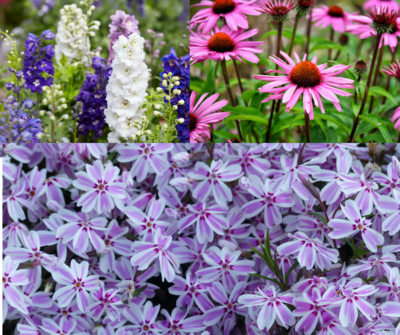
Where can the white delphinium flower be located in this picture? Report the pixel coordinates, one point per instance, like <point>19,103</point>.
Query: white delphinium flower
<point>126,89</point>
<point>73,33</point>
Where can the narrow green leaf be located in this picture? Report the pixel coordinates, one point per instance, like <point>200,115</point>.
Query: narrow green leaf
<point>247,118</point>
<point>209,84</point>
<point>377,122</point>
<point>242,110</point>
<point>319,216</point>
<point>138,291</point>
<point>333,120</point>
<point>287,274</point>
<point>270,279</point>
<point>377,90</point>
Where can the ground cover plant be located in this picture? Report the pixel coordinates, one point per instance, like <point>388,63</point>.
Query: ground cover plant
<point>201,239</point>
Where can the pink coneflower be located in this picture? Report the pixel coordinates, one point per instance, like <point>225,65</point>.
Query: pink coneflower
<point>333,16</point>
<point>278,9</point>
<point>233,11</point>
<point>396,116</point>
<point>362,27</point>
<point>307,78</point>
<point>203,114</point>
<point>393,71</point>
<point>224,44</point>
<point>390,4</point>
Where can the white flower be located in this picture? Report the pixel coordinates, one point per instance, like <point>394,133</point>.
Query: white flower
<point>126,89</point>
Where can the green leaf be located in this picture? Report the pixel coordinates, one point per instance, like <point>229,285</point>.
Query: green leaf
<point>248,95</point>
<point>319,216</point>
<point>287,274</point>
<point>247,118</point>
<point>266,278</point>
<point>242,110</point>
<point>326,45</point>
<point>209,84</point>
<point>138,291</point>
<point>286,122</point>
<point>332,119</point>
<point>323,127</point>
<point>378,123</point>
<point>376,90</point>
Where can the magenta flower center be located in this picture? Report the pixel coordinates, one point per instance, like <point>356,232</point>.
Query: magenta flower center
<point>193,122</point>
<point>223,6</point>
<point>306,74</point>
<point>335,11</point>
<point>280,10</point>
<point>4,280</point>
<point>221,42</point>
<point>101,187</point>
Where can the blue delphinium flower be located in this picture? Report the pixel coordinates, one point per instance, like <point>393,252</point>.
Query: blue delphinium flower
<point>93,97</point>
<point>38,63</point>
<point>180,67</point>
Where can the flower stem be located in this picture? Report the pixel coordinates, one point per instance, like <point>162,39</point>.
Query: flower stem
<point>364,101</point>
<point>238,76</point>
<point>296,23</point>
<point>308,32</point>
<point>307,126</point>
<point>278,54</point>
<point>398,139</point>
<point>229,89</point>
<point>332,37</point>
<point>390,77</point>
<point>375,82</point>
<point>355,90</point>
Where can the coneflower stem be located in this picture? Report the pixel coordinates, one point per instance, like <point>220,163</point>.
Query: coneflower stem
<point>332,37</point>
<point>398,139</point>
<point>239,79</point>
<point>375,82</point>
<point>278,54</point>
<point>229,89</point>
<point>296,23</point>
<point>390,77</point>
<point>307,126</point>
<point>364,101</point>
<point>308,32</point>
<point>355,90</point>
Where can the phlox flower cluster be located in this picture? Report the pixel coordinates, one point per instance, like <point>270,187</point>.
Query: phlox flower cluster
<point>73,32</point>
<point>93,98</point>
<point>180,68</point>
<point>121,24</point>
<point>187,239</point>
<point>126,88</point>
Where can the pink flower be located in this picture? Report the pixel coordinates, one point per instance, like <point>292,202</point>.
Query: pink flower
<point>213,180</point>
<point>204,114</point>
<point>362,27</point>
<point>278,8</point>
<point>355,224</point>
<point>233,11</point>
<point>147,252</point>
<point>102,191</point>
<point>80,229</point>
<point>76,283</point>
<point>309,251</point>
<point>223,44</point>
<point>396,116</point>
<point>307,78</point>
<point>107,301</point>
<point>394,69</point>
<point>273,307</point>
<point>390,4</point>
<point>66,326</point>
<point>333,16</point>
<point>143,321</point>
<point>12,278</point>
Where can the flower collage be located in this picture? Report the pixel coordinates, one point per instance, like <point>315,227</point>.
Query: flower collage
<point>200,167</point>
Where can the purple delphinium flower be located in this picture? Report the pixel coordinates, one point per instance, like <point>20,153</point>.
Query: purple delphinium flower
<point>273,307</point>
<point>355,224</point>
<point>213,180</point>
<point>103,192</point>
<point>147,252</point>
<point>76,284</point>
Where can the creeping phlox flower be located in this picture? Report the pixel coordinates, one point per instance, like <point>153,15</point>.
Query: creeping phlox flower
<point>126,88</point>
<point>308,79</point>
<point>189,239</point>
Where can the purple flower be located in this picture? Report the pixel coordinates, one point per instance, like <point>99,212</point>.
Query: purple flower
<point>309,251</point>
<point>355,224</point>
<point>102,191</point>
<point>273,307</point>
<point>76,284</point>
<point>105,302</point>
<point>213,180</point>
<point>65,327</point>
<point>143,321</point>
<point>224,265</point>
<point>178,324</point>
<point>147,252</point>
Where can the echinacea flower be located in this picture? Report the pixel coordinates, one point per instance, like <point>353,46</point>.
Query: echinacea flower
<point>224,44</point>
<point>303,6</point>
<point>278,9</point>
<point>394,70</point>
<point>355,224</point>
<point>203,114</point>
<point>147,252</point>
<point>76,283</point>
<point>102,191</point>
<point>390,4</point>
<point>382,19</point>
<point>333,16</point>
<point>396,115</point>
<point>307,78</point>
<point>233,11</point>
<point>273,307</point>
<point>362,26</point>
